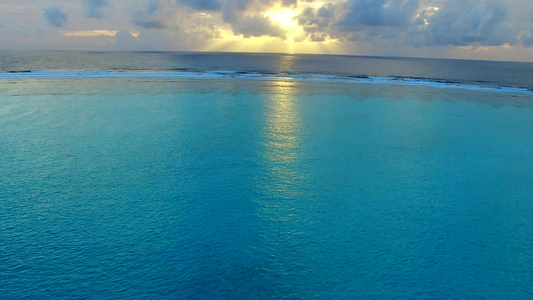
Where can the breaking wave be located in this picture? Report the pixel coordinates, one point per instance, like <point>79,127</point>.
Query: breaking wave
<point>322,78</point>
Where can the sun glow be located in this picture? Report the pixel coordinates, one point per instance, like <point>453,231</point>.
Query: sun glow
<point>284,17</point>
<point>233,43</point>
<point>295,38</point>
<point>287,20</point>
<point>88,33</point>
<point>427,13</point>
<point>135,34</point>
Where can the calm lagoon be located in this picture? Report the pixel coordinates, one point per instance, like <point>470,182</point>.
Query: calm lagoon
<point>241,188</point>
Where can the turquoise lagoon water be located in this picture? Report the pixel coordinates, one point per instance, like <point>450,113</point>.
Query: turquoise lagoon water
<point>242,189</point>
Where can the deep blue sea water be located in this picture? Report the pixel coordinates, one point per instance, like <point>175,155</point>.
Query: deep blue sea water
<point>223,186</point>
<point>453,72</point>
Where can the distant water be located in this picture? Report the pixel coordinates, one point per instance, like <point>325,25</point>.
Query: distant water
<point>222,186</point>
<point>484,73</point>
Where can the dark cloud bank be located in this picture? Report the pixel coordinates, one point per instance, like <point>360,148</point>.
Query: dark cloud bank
<point>436,23</point>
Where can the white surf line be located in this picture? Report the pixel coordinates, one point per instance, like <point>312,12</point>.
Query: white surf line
<point>323,78</point>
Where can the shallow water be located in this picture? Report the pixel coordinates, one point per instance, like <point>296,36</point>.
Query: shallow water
<point>133,188</point>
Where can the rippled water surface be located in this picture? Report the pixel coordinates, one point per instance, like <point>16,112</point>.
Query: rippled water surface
<point>165,189</point>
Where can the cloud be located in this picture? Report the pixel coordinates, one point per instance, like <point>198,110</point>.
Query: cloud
<point>254,26</point>
<point>382,27</point>
<point>149,24</point>
<point>362,13</point>
<point>287,3</point>
<point>358,20</point>
<point>418,23</point>
<point>211,5</point>
<point>526,38</point>
<point>55,15</point>
<point>320,17</point>
<point>467,22</point>
<point>318,22</point>
<point>422,23</point>
<point>236,6</point>
<point>94,8</point>
<point>152,15</point>
<point>245,17</point>
<point>88,33</point>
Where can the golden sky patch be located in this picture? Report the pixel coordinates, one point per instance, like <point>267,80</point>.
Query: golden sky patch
<point>88,33</point>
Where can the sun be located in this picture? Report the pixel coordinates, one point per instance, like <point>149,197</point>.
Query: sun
<point>284,17</point>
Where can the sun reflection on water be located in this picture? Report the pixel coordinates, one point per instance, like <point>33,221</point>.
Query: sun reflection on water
<point>282,127</point>
<point>284,174</point>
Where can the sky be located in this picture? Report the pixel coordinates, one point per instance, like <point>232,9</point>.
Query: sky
<point>469,29</point>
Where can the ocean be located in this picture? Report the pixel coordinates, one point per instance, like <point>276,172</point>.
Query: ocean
<point>160,175</point>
